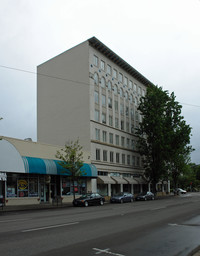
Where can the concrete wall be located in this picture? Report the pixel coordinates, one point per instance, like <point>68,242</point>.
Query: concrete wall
<point>63,102</point>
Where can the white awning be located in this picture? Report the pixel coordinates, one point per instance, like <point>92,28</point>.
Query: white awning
<point>131,180</point>
<point>119,180</point>
<point>141,181</point>
<point>105,180</point>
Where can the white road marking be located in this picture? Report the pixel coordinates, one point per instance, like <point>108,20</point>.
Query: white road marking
<point>173,224</point>
<point>48,227</point>
<point>4,221</point>
<point>106,251</point>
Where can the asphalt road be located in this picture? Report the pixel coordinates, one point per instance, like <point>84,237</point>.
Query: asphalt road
<point>168,227</point>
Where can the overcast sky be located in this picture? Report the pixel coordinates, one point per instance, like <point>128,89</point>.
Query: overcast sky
<point>159,38</point>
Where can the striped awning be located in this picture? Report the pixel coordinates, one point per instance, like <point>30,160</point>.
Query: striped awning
<point>52,167</point>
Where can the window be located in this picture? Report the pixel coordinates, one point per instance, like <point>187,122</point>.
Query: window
<point>122,125</point>
<point>117,157</point>
<point>116,106</point>
<point>104,133</point>
<point>138,161</point>
<point>130,84</point>
<point>96,97</point>
<point>103,118</point>
<point>102,65</point>
<point>127,126</point>
<point>109,69</point>
<point>103,82</point>
<point>132,145</point>
<point>128,160</point>
<point>97,134</point>
<point>126,81</point>
<point>133,160</point>
<point>132,128</point>
<point>103,100</point>
<point>117,140</point>
<point>126,95</point>
<point>128,143</point>
<point>131,98</point>
<point>96,115</point>
<point>104,155</point>
<point>96,60</point>
<point>96,79</point>
<point>132,113</point>
<point>97,154</point>
<point>111,138</point>
<point>109,102</point>
<point>116,122</point>
<point>122,141</point>
<point>123,158</point>
<point>127,111</point>
<point>109,86</point>
<point>135,87</point>
<point>121,108</point>
<point>136,116</point>
<point>143,92</point>
<point>110,120</point>
<point>111,157</point>
<point>120,77</point>
<point>114,73</point>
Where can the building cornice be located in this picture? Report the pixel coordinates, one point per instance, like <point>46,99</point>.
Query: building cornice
<point>95,43</point>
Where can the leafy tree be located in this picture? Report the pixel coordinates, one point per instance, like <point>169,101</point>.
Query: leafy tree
<point>163,135</point>
<point>71,160</point>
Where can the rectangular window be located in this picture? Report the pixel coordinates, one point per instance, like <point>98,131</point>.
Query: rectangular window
<point>103,117</point>
<point>127,126</point>
<point>97,134</point>
<point>111,157</point>
<point>125,81</point>
<point>116,122</point>
<point>109,69</point>
<point>114,73</point>
<point>128,160</point>
<point>127,111</point>
<point>127,143</point>
<point>121,108</point>
<point>104,155</point>
<point>110,120</point>
<point>97,154</point>
<point>96,61</point>
<point>109,102</point>
<point>120,77</point>
<point>116,106</point>
<point>117,140</point>
<point>132,113</point>
<point>111,138</point>
<point>133,160</point>
<point>122,141</point>
<point>138,161</point>
<point>123,158</point>
<point>122,125</point>
<point>102,65</point>
<point>104,135</point>
<point>117,157</point>
<point>96,115</point>
<point>132,145</point>
<point>96,97</point>
<point>135,87</point>
<point>130,84</point>
<point>103,100</point>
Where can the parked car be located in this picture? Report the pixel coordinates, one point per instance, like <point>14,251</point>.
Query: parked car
<point>122,198</point>
<point>179,191</point>
<point>89,199</point>
<point>145,196</point>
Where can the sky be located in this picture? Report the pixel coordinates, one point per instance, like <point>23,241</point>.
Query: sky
<point>159,38</point>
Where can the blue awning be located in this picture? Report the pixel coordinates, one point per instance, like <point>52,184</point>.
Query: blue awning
<point>52,167</point>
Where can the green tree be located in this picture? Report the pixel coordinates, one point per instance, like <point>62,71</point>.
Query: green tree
<point>163,135</point>
<point>71,157</point>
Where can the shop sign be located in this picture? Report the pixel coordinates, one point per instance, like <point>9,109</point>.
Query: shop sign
<point>3,176</point>
<point>22,185</point>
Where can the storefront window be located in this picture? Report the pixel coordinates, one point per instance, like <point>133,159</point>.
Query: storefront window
<point>79,187</point>
<point>33,187</point>
<point>12,185</point>
<point>22,187</point>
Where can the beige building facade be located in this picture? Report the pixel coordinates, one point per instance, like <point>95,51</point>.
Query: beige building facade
<point>90,93</point>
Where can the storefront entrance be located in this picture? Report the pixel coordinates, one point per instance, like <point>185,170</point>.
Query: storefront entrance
<point>44,192</point>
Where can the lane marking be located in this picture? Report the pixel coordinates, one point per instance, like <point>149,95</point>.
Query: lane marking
<point>159,208</point>
<point>48,227</point>
<point>106,251</point>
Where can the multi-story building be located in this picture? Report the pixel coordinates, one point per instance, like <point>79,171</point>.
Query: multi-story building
<point>91,93</point>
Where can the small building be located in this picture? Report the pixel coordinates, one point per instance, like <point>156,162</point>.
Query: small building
<point>31,174</point>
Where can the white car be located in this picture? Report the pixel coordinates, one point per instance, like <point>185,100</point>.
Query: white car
<point>180,191</point>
